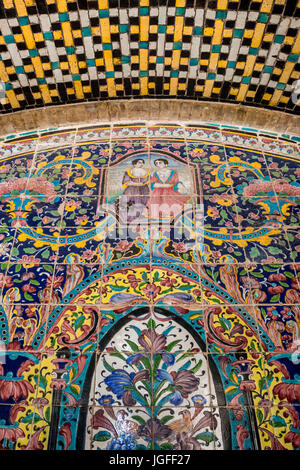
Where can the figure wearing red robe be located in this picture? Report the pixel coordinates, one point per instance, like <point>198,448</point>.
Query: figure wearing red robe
<point>165,199</point>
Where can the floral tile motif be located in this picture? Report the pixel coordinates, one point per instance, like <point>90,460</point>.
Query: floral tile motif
<point>221,211</point>
<point>88,169</point>
<point>7,237</point>
<point>31,282</point>
<point>114,428</point>
<point>269,144</point>
<point>55,168</point>
<point>124,148</point>
<point>268,283</point>
<point>134,130</point>
<point>279,251</point>
<point>282,172</point>
<point>207,133</point>
<point>20,167</point>
<point>243,139</point>
<point>149,278</point>
<point>92,133</point>
<point>26,320</point>
<point>285,392</point>
<point>194,428</point>
<point>285,418</point>
<point>14,147</point>
<point>206,155</point>
<point>292,234</point>
<point>56,139</point>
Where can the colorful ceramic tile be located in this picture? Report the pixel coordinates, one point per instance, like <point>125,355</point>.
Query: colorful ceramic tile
<point>238,137</point>
<point>181,51</point>
<point>198,427</point>
<point>88,173</point>
<point>150,291</point>
<point>271,281</point>
<point>209,133</point>
<point>279,146</point>
<point>118,428</point>
<point>53,168</point>
<point>56,139</point>
<point>92,133</point>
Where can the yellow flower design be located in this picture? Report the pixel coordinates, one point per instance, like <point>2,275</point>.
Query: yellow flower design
<point>210,213</point>
<point>225,201</point>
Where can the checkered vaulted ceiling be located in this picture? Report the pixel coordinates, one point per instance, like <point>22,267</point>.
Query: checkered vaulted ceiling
<point>65,51</point>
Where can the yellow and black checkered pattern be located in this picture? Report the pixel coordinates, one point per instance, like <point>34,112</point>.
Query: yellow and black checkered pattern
<point>63,51</point>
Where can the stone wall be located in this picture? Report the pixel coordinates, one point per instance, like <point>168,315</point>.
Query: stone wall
<point>149,109</point>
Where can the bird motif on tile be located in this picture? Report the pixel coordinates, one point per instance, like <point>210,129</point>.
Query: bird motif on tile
<point>124,425</point>
<point>183,424</point>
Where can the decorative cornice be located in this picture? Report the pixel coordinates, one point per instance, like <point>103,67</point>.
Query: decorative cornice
<point>149,109</point>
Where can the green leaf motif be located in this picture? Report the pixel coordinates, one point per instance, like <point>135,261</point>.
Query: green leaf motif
<point>102,436</point>
<point>254,252</point>
<point>223,324</point>
<point>223,214</point>
<point>185,287</point>
<point>171,345</point>
<point>133,346</point>
<point>28,297</point>
<point>165,419</point>
<point>255,274</point>
<point>117,288</point>
<point>29,250</point>
<point>139,419</point>
<point>166,446</point>
<point>269,270</point>
<point>260,416</point>
<point>45,254</point>
<point>277,422</point>
<point>43,381</point>
<point>48,413</point>
<point>288,274</point>
<point>107,366</point>
<point>197,367</point>
<point>79,322</point>
<point>284,284</point>
<point>262,383</point>
<point>32,417</point>
<point>151,324</point>
<point>274,250</point>
<point>233,391</point>
<point>48,268</point>
<point>275,298</point>
<point>206,437</point>
<point>74,390</point>
<point>119,355</point>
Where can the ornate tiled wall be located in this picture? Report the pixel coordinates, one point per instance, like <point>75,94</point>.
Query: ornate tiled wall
<point>149,288</point>
<point>65,51</point>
